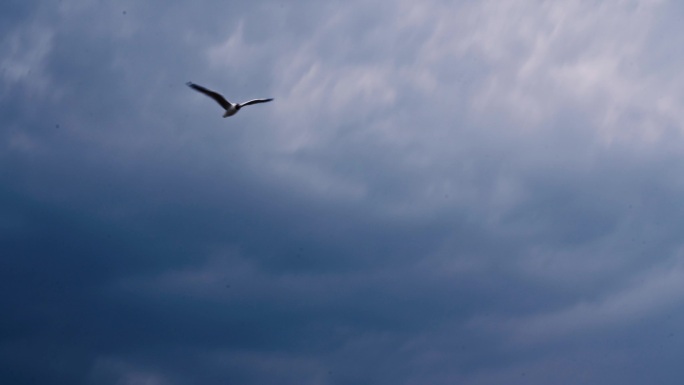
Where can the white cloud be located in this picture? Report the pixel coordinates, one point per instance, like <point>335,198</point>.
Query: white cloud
<point>435,83</point>
<point>648,296</point>
<point>119,372</point>
<point>22,59</point>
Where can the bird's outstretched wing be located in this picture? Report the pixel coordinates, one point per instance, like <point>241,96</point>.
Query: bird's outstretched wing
<point>214,95</point>
<point>255,101</point>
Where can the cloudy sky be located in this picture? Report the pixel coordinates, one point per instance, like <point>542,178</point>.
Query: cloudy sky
<point>442,192</point>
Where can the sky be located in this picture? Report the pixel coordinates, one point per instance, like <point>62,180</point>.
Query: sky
<point>442,192</point>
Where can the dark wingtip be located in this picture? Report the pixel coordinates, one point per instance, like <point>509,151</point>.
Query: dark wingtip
<point>189,84</point>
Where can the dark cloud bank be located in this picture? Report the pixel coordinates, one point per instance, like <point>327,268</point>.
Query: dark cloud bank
<point>438,195</point>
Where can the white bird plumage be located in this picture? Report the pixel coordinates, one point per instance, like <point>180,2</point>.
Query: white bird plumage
<point>231,108</point>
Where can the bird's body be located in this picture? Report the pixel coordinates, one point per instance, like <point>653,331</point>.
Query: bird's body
<point>230,108</point>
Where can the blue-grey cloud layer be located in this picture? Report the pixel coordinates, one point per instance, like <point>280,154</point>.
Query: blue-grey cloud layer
<point>475,193</point>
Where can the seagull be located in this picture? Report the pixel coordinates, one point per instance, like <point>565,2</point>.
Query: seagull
<point>231,108</point>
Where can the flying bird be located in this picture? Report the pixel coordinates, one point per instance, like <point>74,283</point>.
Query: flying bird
<point>231,108</point>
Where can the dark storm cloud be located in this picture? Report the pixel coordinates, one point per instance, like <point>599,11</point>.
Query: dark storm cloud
<point>469,193</point>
